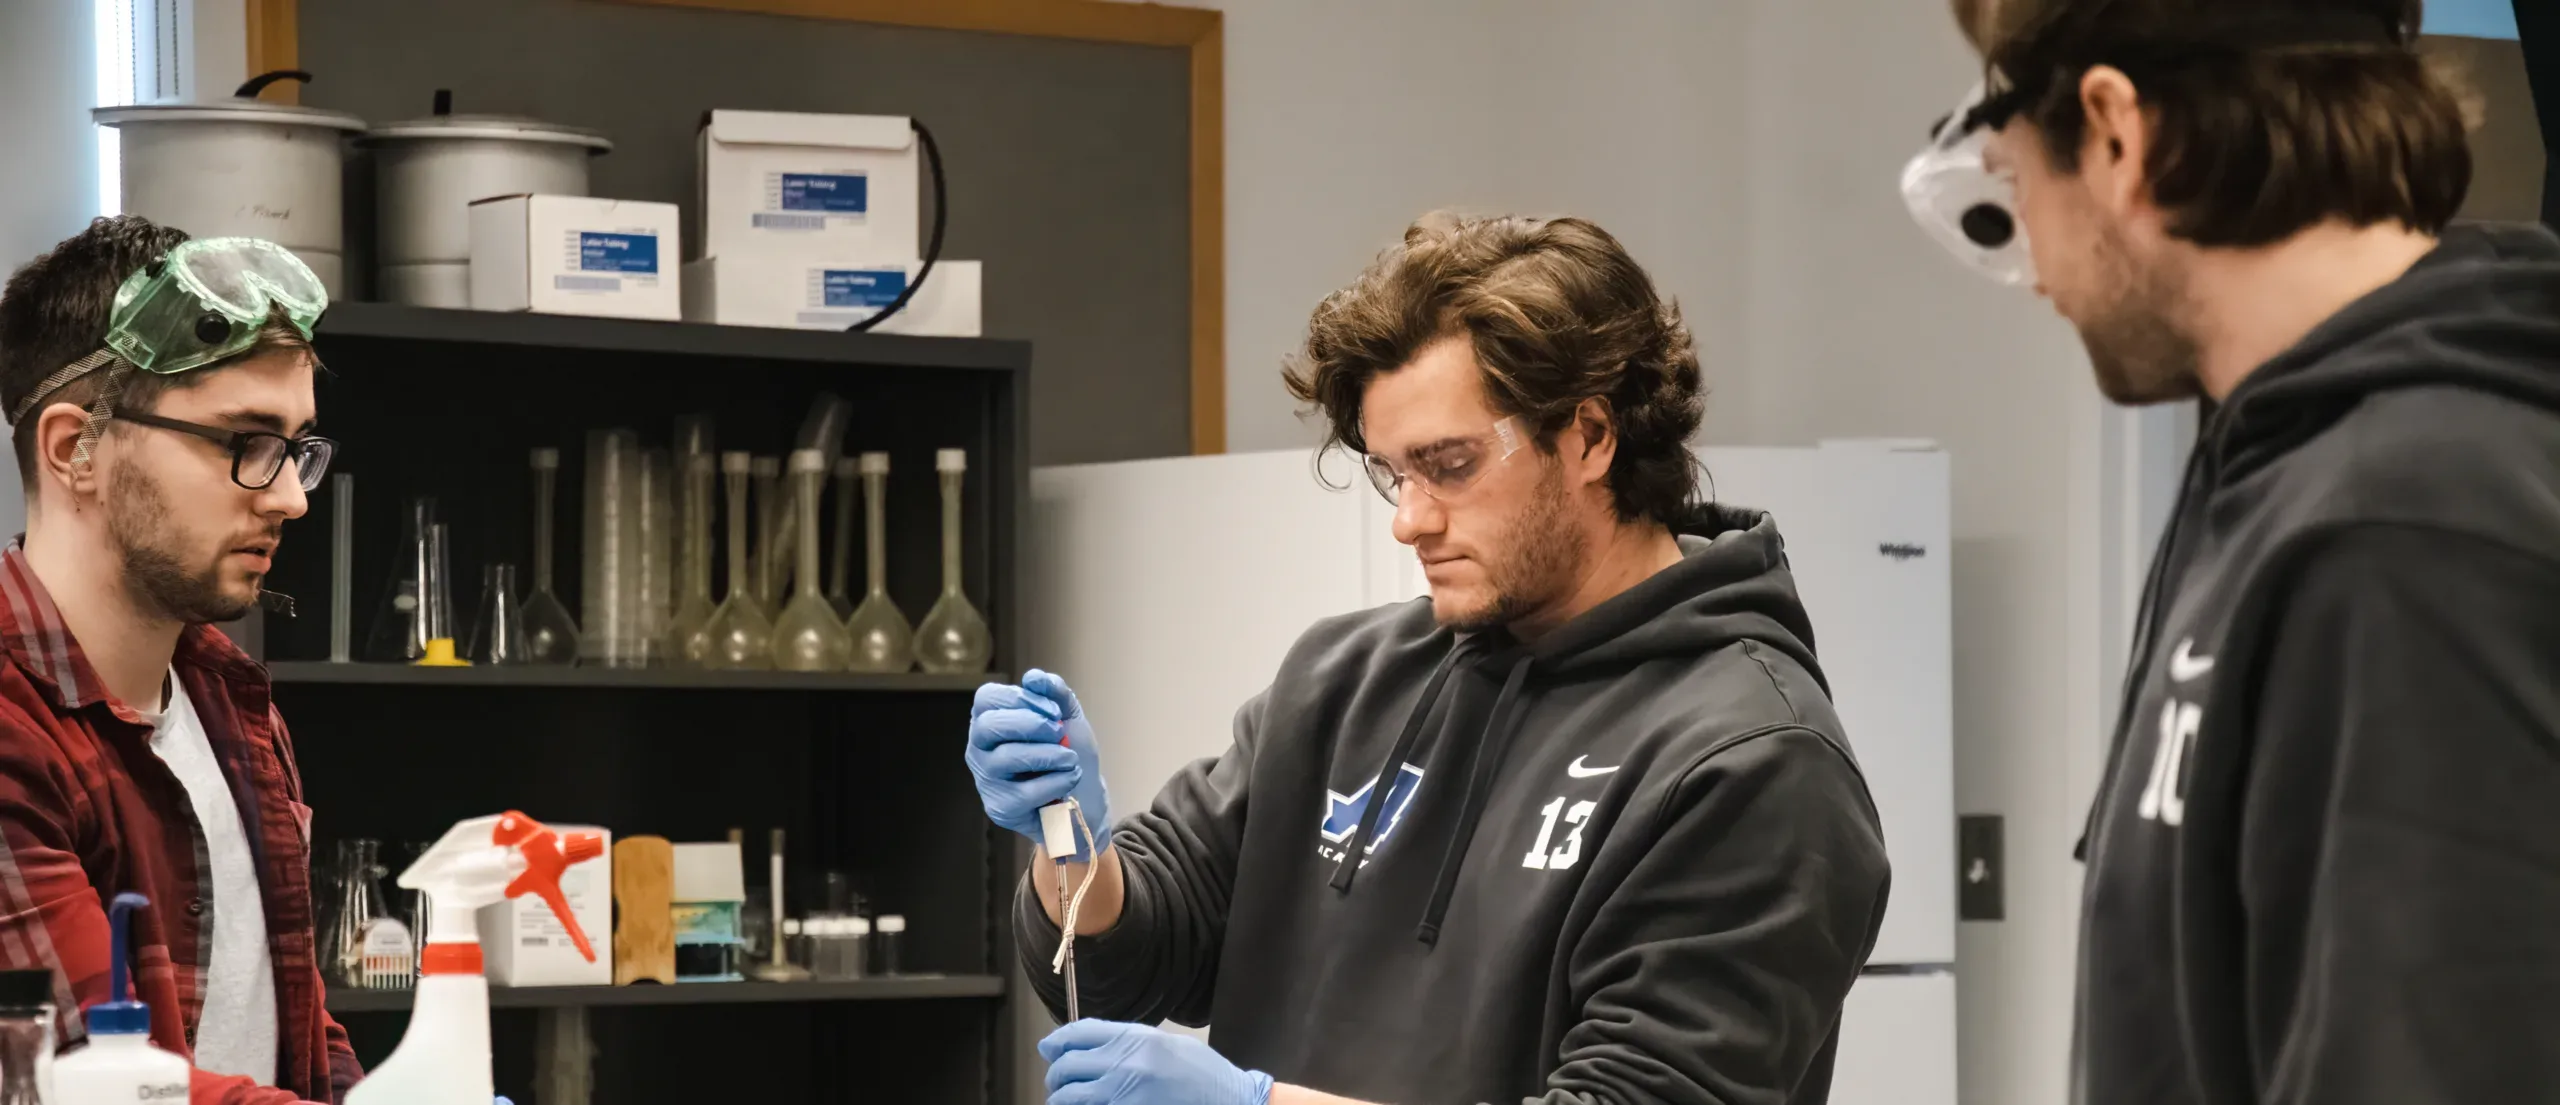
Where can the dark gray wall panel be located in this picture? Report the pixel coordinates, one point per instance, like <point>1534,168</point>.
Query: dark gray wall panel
<point>1068,161</point>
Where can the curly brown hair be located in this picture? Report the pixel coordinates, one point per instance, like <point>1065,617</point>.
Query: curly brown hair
<point>1558,313</point>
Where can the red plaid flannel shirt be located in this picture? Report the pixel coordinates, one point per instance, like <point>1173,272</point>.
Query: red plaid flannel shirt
<point>88,811</point>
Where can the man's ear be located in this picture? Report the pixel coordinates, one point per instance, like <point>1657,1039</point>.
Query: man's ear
<point>2117,151</point>
<point>1599,433</point>
<point>58,461</point>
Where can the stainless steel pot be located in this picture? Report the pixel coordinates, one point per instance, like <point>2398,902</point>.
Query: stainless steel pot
<point>428,171</point>
<point>240,167</point>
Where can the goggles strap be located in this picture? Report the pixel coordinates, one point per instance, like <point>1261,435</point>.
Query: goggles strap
<point>60,379</point>
<point>100,412</point>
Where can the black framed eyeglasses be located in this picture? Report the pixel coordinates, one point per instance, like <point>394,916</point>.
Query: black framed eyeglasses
<point>256,455</point>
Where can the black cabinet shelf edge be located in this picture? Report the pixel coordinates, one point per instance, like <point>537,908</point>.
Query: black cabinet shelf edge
<point>389,321</point>
<point>897,988</point>
<point>406,675</point>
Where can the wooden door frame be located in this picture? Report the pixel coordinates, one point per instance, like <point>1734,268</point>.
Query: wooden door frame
<point>273,44</point>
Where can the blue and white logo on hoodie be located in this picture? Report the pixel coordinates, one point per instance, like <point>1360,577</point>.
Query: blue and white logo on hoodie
<point>1342,812</point>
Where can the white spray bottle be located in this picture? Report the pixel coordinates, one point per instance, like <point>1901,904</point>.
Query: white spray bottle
<point>443,1059</point>
<point>119,1067</point>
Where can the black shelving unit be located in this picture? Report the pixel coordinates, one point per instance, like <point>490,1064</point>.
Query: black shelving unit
<point>895,988</point>
<point>404,675</point>
<point>863,772</point>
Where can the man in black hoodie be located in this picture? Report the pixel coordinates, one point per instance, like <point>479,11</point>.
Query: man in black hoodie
<point>2324,862</point>
<point>1581,827</point>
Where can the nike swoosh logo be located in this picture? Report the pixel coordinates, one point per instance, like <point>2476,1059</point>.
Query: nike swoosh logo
<point>1580,771</point>
<point>2183,666</point>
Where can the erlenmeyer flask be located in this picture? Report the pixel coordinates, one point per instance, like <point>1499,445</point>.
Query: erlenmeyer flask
<point>741,634</point>
<point>398,634</point>
<point>882,639</point>
<point>689,625</point>
<point>840,555</point>
<point>550,634</point>
<point>497,634</point>
<point>953,639</point>
<point>807,636</point>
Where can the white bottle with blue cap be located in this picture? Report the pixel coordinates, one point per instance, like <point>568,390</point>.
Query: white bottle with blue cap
<point>120,1067</point>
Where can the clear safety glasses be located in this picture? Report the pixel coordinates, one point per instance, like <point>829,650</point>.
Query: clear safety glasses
<point>1445,469</point>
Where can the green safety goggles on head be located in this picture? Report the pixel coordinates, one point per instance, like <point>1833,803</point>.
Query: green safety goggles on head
<point>203,301</point>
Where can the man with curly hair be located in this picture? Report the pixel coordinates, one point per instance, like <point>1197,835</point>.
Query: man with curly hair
<point>1581,827</point>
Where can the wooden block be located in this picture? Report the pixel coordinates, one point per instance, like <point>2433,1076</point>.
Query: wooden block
<point>644,935</point>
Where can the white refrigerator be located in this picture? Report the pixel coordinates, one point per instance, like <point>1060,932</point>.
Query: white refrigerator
<point>1168,590</point>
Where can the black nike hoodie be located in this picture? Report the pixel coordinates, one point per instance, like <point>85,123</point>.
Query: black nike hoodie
<point>1631,862</point>
<point>2324,865</point>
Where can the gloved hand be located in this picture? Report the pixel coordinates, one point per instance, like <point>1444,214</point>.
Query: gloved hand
<point>1020,766</point>
<point>1109,1063</point>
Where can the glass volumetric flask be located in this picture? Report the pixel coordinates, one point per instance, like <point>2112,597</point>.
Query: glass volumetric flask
<point>840,552</point>
<point>953,639</point>
<point>550,634</point>
<point>741,633</point>
<point>766,542</point>
<point>807,636</point>
<point>882,639</point>
<point>689,624</point>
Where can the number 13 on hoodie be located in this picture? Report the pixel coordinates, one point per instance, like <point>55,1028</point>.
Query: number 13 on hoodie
<point>1564,855</point>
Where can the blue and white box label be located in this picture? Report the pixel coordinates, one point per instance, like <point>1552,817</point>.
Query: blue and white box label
<point>853,288</point>
<point>845,296</point>
<point>814,201</point>
<point>602,261</point>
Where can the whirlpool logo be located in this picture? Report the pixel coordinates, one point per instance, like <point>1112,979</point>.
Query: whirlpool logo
<point>1900,551</point>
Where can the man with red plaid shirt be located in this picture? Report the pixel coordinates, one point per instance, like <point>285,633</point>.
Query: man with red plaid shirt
<point>162,446</point>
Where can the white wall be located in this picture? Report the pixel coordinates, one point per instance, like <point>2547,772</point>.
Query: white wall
<point>47,82</point>
<point>1857,325</point>
<point>1747,152</point>
<point>1345,119</point>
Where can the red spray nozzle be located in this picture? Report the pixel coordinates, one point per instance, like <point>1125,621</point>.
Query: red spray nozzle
<point>545,857</point>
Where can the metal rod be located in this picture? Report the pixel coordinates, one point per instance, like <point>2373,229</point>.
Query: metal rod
<point>342,568</point>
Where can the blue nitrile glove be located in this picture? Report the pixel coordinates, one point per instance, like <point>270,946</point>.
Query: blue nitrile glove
<point>1014,753</point>
<point>1110,1063</point>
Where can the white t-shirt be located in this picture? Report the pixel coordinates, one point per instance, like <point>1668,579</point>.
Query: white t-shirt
<point>238,1032</point>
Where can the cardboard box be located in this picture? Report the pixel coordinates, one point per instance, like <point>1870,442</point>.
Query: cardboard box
<point>793,184</point>
<point>817,295</point>
<point>523,944</point>
<point>572,255</point>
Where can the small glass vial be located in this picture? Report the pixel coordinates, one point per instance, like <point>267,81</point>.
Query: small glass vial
<point>832,939</point>
<point>857,947</point>
<point>887,934</point>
